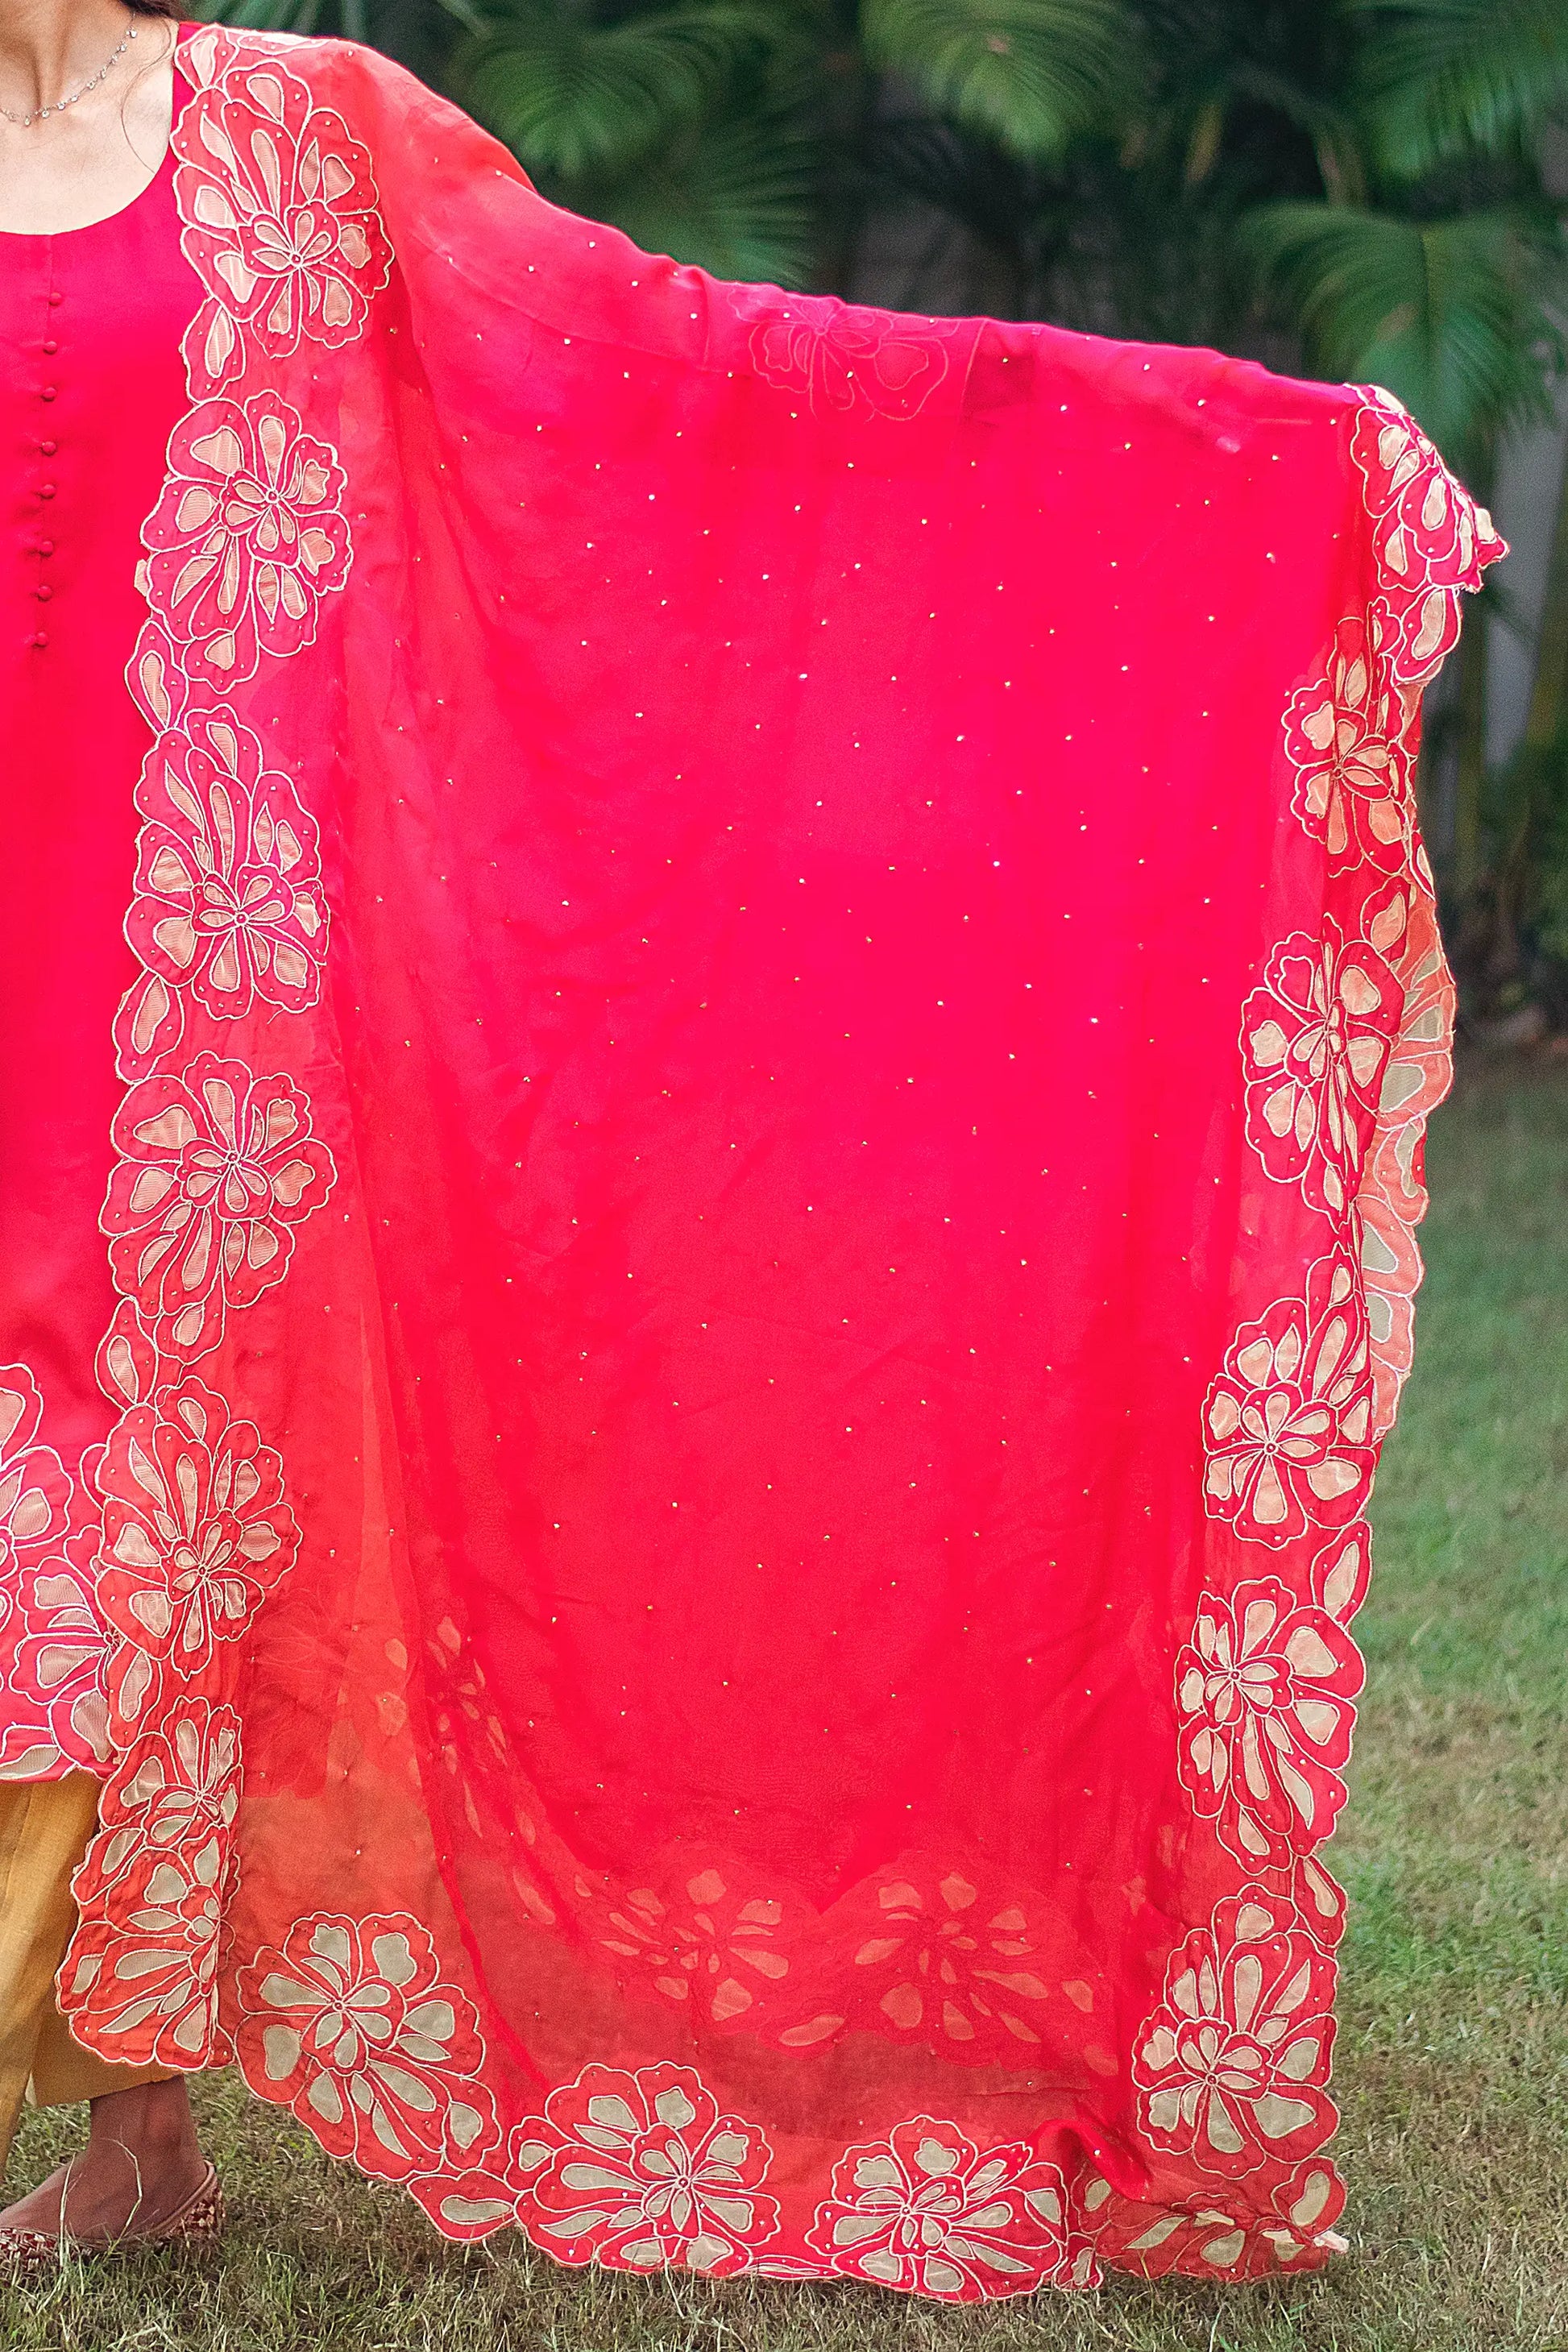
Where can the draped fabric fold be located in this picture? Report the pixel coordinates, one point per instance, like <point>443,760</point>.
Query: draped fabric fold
<point>762,1219</point>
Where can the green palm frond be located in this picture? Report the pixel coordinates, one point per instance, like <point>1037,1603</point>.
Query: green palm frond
<point>1439,77</point>
<point>738,197</point>
<point>1449,314</point>
<point>386,23</point>
<point>1028,73</point>
<point>267,16</point>
<point>571,97</point>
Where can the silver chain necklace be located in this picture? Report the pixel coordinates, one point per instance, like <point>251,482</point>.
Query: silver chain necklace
<point>26,121</point>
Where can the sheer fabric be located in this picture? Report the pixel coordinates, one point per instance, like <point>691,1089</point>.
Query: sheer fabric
<point>763,1229</point>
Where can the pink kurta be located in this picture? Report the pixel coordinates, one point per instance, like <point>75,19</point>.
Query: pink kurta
<point>91,386</point>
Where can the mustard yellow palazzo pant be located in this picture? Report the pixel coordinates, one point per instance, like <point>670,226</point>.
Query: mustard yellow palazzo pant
<point>43,1829</point>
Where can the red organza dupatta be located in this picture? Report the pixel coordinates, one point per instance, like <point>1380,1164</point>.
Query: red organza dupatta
<point>763,1226</point>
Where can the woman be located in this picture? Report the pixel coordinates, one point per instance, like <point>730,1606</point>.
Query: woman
<point>757,1192</point>
<point>70,729</point>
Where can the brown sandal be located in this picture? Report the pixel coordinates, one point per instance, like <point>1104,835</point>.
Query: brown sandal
<point>198,2222</point>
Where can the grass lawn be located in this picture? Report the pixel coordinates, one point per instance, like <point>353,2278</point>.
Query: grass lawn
<point>1453,2056</point>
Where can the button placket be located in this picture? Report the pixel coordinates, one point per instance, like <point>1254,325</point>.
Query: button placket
<point>48,446</point>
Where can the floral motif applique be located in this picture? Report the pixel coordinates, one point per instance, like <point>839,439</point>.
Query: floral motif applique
<point>1287,1421</point>
<point>705,1942</point>
<point>247,538</point>
<point>924,1952</point>
<point>1344,737</point>
<point>1264,1703</point>
<point>1317,1034</point>
<point>51,1641</point>
<point>1211,2236</point>
<point>1430,539</point>
<point>351,2023</point>
<point>640,2170</point>
<point>197,1531</point>
<point>844,359</point>
<point>1231,2066</point>
<point>228,901</point>
<point>217,1168</point>
<point>153,1890</point>
<point>1391,1199</point>
<point>928,2211</point>
<point>283,227</point>
<point>34,1485</point>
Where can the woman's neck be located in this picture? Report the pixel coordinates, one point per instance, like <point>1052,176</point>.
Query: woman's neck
<point>49,48</point>
<point>88,156</point>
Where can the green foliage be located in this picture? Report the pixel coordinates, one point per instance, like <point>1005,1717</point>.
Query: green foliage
<point>687,126</point>
<point>1348,185</point>
<point>756,127</point>
<point>270,15</point>
<point>1441,78</point>
<point>1448,313</point>
<point>574,98</point>
<point>735,194</point>
<point>416,32</point>
<point>1345,186</point>
<point>1526,811</point>
<point>1028,73</point>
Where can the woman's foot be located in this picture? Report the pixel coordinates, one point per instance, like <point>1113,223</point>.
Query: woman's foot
<point>143,2161</point>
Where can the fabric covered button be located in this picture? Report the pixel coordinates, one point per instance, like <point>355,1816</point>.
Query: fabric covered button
<point>46,489</point>
<point>45,547</point>
<point>43,591</point>
<point>56,299</point>
<point>51,346</point>
<point>47,448</point>
<point>47,393</point>
<point>40,640</point>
